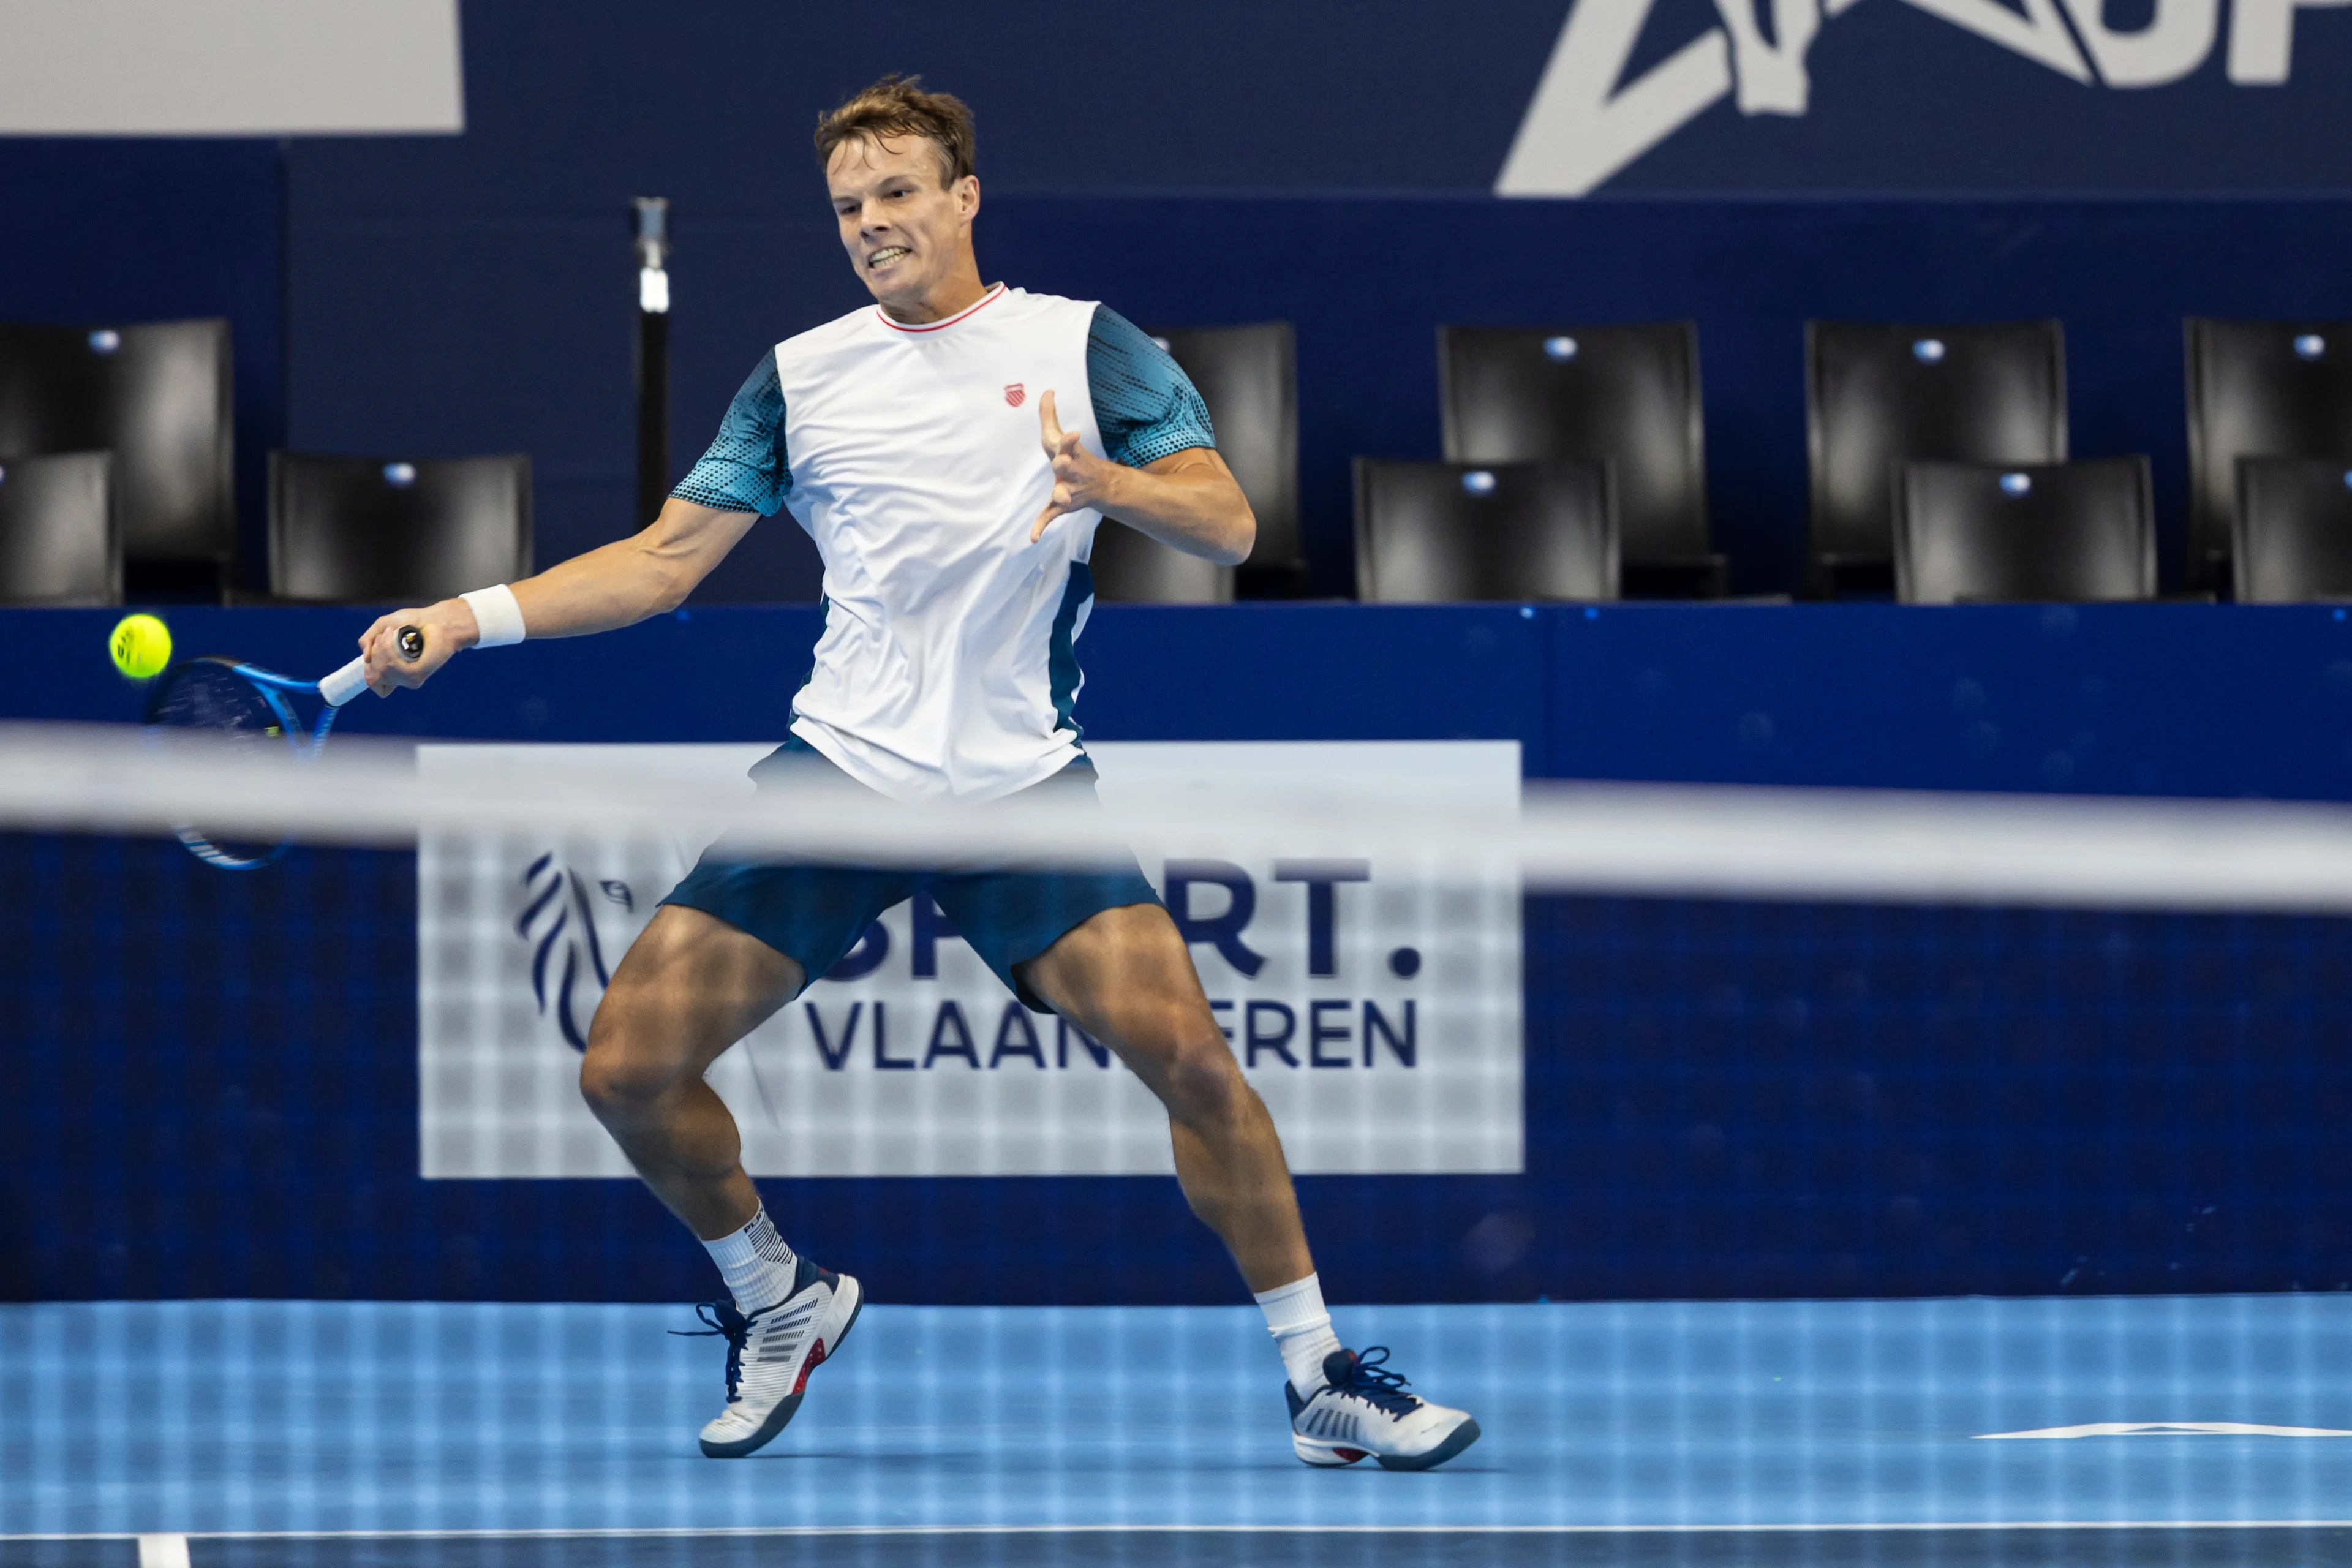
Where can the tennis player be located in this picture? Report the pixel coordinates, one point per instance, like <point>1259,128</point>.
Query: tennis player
<point>950,451</point>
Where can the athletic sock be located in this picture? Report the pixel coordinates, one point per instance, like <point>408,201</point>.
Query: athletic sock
<point>757,1265</point>
<point>1302,1330</point>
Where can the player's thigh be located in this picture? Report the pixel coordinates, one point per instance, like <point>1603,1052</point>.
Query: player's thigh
<point>1125,977</point>
<point>689,987</point>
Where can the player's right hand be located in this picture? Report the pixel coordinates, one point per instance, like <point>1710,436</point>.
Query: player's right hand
<point>448,626</point>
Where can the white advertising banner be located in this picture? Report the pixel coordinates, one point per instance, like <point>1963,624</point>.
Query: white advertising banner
<point>230,68</point>
<point>1372,998</point>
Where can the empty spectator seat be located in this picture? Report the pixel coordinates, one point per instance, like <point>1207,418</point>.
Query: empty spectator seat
<point>60,532</point>
<point>382,531</point>
<point>1625,395</point>
<point>2257,389</point>
<point>156,394</point>
<point>2292,533</point>
<point>1442,533</point>
<point>1248,377</point>
<point>1973,532</point>
<point>1876,396</point>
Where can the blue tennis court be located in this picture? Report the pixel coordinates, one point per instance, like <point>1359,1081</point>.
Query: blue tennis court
<point>1782,1432</point>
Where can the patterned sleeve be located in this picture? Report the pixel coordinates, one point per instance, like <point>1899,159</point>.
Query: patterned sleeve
<point>746,469</point>
<point>1145,405</point>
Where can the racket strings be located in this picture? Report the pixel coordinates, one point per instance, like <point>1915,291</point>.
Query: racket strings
<point>211,697</point>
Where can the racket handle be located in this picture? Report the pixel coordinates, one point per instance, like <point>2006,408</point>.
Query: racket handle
<point>351,680</point>
<point>345,683</point>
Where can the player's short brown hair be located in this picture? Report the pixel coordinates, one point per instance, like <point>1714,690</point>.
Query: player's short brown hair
<point>897,106</point>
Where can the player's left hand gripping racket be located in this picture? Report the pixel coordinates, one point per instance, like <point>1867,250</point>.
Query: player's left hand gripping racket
<point>253,707</point>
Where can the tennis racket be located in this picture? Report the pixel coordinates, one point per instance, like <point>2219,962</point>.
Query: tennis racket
<point>253,707</point>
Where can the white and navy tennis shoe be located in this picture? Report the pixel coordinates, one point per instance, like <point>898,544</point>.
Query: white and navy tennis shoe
<point>771,1353</point>
<point>1362,1412</point>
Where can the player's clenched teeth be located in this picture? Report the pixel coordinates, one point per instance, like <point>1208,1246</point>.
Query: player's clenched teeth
<point>887,254</point>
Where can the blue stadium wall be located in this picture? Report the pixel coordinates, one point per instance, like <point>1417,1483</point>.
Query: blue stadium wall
<point>213,1084</point>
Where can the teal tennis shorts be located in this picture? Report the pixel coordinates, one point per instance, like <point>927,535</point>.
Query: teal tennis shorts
<point>814,913</point>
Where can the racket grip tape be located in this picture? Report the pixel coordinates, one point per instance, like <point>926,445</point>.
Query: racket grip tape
<point>345,683</point>
<point>351,679</point>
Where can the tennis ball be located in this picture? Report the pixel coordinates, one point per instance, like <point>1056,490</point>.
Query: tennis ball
<point>141,647</point>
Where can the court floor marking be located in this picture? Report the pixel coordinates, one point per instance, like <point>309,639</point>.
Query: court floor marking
<point>2166,1429</point>
<point>1847,1527</point>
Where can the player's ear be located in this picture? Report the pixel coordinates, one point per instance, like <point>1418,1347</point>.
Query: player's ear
<point>967,196</point>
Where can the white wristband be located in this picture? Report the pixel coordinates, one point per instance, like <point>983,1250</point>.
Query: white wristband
<point>496,612</point>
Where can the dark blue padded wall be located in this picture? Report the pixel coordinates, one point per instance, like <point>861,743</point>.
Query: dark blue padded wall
<point>219,1089</point>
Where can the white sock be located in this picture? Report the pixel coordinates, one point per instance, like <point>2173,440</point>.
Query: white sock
<point>1302,1330</point>
<point>757,1265</point>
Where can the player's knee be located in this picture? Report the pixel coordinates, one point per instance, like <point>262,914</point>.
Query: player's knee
<point>1201,1086</point>
<point>618,1074</point>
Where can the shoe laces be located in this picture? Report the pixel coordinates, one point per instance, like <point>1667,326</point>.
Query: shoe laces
<point>1369,1380</point>
<point>730,1325</point>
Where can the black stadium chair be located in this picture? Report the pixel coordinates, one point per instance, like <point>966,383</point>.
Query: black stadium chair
<point>158,396</point>
<point>1133,568</point>
<point>2292,539</point>
<point>1973,532</point>
<point>377,530</point>
<point>1445,532</point>
<point>1625,396</point>
<point>2257,389</point>
<point>1249,378</point>
<point>60,532</point>
<point>1876,396</point>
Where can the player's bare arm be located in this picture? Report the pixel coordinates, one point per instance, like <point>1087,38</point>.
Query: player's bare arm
<point>613,585</point>
<point>1187,500</point>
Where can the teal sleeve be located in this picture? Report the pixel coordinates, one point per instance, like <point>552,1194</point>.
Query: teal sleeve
<point>1145,405</point>
<point>747,469</point>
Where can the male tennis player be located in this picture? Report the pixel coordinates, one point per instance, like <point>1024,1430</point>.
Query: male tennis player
<point>950,452</point>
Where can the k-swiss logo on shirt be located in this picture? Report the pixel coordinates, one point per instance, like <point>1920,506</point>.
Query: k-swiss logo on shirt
<point>1014,394</point>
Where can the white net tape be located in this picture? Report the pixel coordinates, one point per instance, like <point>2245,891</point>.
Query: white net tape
<point>1705,841</point>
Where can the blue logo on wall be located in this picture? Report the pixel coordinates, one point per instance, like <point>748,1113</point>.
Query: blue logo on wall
<point>557,916</point>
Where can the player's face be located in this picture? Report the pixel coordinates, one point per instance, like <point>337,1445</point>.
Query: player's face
<point>906,233</point>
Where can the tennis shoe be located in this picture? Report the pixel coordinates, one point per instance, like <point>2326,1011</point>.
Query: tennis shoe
<point>1362,1412</point>
<point>770,1352</point>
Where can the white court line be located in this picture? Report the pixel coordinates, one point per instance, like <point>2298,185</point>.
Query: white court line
<point>2166,1429</point>
<point>670,1532</point>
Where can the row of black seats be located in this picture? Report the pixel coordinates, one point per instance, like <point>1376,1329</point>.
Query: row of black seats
<point>1993,511</point>
<point>341,529</point>
<point>115,447</point>
<point>1963,533</point>
<point>115,457</point>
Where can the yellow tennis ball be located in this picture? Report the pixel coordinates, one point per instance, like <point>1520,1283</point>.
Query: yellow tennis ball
<point>141,647</point>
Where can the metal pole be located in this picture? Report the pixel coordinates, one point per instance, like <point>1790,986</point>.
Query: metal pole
<point>652,356</point>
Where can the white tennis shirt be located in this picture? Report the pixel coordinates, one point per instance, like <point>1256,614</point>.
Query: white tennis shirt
<point>913,455</point>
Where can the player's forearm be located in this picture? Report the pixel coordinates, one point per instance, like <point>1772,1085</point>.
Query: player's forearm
<point>1199,510</point>
<point>621,584</point>
<point>611,586</point>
